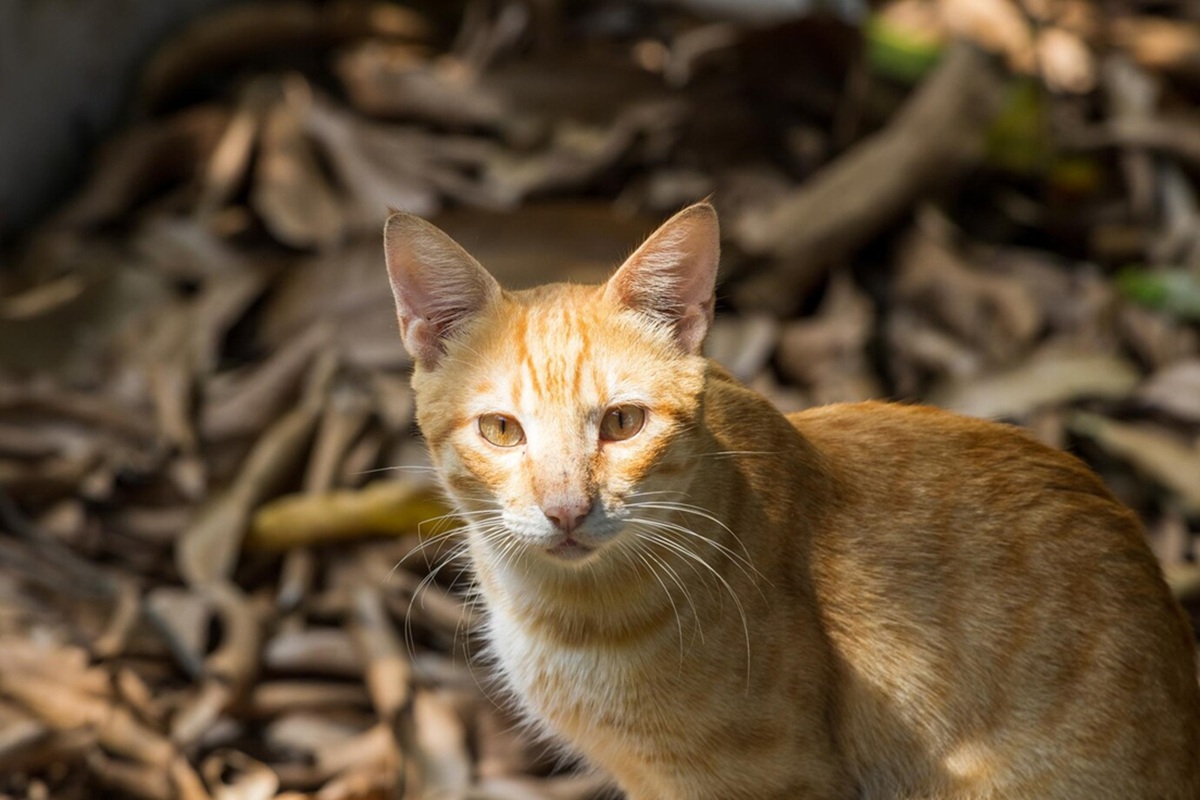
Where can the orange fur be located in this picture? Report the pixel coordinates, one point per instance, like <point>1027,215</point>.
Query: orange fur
<point>859,601</point>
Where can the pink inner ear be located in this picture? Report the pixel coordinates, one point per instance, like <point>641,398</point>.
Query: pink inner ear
<point>672,276</point>
<point>437,285</point>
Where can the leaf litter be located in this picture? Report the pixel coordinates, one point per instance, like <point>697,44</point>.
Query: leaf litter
<point>225,569</point>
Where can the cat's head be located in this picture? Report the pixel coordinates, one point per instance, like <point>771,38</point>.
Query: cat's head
<point>558,415</point>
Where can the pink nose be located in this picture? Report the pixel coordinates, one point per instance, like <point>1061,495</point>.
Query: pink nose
<point>567,516</point>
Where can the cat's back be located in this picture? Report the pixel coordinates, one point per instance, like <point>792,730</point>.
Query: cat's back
<point>995,613</point>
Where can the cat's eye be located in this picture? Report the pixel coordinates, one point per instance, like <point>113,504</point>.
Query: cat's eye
<point>622,422</point>
<point>500,430</point>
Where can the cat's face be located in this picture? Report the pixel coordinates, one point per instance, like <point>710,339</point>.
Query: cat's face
<point>558,416</point>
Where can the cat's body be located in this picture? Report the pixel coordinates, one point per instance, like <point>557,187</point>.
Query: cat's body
<point>711,600</point>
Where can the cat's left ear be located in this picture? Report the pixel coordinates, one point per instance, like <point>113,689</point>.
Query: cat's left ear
<point>437,285</point>
<point>672,276</point>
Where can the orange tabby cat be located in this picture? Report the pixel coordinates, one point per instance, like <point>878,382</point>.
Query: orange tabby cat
<point>711,600</point>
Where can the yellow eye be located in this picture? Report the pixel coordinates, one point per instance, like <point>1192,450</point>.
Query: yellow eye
<point>621,422</point>
<point>500,430</point>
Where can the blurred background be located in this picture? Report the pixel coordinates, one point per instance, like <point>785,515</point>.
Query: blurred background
<point>212,580</point>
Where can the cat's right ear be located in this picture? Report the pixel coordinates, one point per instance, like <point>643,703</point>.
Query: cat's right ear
<point>437,285</point>
<point>672,277</point>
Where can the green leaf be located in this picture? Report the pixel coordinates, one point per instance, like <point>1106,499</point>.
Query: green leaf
<point>899,53</point>
<point>1172,291</point>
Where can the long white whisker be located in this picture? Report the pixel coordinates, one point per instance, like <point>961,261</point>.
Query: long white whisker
<point>688,554</point>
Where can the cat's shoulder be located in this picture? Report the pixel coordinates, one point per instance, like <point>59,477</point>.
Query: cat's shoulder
<point>877,418</point>
<point>903,437</point>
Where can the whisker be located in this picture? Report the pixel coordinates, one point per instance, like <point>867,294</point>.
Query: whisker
<point>679,549</point>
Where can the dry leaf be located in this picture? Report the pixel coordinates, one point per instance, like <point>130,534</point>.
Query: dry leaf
<point>1051,376</point>
<point>1175,389</point>
<point>1152,451</point>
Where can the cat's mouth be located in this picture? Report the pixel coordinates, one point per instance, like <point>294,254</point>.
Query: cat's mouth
<point>570,549</point>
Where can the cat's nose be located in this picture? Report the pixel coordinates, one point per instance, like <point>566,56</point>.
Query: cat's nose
<point>567,516</point>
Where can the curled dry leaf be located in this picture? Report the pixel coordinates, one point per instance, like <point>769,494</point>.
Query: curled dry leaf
<point>1065,61</point>
<point>389,507</point>
<point>578,153</point>
<point>187,782</point>
<point>827,354</point>
<point>207,550</point>
<point>248,402</point>
<point>1052,375</point>
<point>235,662</point>
<point>236,776</point>
<point>373,751</point>
<point>290,191</point>
<point>997,25</point>
<point>444,762</point>
<point>130,778</point>
<point>1152,451</point>
<point>272,698</point>
<point>388,671</point>
<point>742,345</point>
<point>253,30</point>
<point>396,80</point>
<point>346,291</point>
<point>995,313</point>
<point>305,734</point>
<point>935,136</point>
<point>1175,390</point>
<point>345,417</point>
<point>143,160</point>
<point>1159,42</point>
<point>126,613</point>
<point>181,617</point>
<point>63,707</point>
<point>1155,337</point>
<point>319,651</point>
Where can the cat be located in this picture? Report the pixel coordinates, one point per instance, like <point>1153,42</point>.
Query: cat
<point>711,600</point>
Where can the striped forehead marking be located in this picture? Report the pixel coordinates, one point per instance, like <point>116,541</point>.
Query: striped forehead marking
<point>552,346</point>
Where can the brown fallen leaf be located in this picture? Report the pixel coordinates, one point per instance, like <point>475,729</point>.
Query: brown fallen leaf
<point>346,291</point>
<point>290,191</point>
<point>254,30</point>
<point>1159,43</point>
<point>372,750</point>
<point>273,697</point>
<point>182,617</point>
<point>743,345</point>
<point>130,778</point>
<point>236,776</point>
<point>937,135</point>
<point>1156,338</point>
<point>143,160</point>
<point>319,651</point>
<point>303,734</point>
<point>997,25</point>
<point>1052,375</point>
<point>1159,455</point>
<point>996,314</point>
<point>388,671</point>
<point>207,550</point>
<point>828,354</point>
<point>401,81</point>
<point>1175,390</point>
<point>441,741</point>
<point>63,707</point>
<point>245,404</point>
